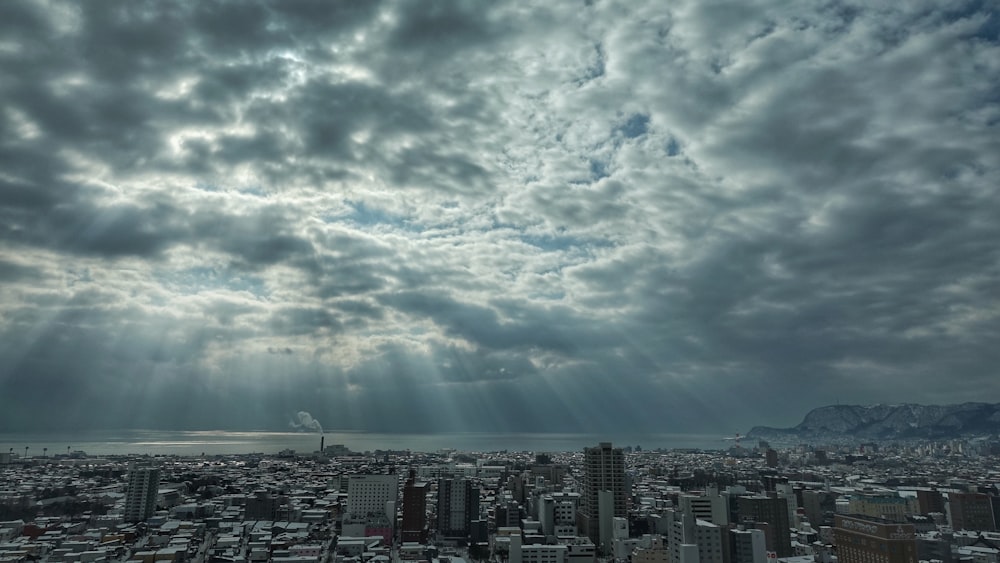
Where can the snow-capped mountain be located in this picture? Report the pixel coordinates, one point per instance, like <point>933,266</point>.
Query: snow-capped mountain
<point>891,422</point>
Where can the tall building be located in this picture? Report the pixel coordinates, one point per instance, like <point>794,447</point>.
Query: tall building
<point>370,495</point>
<point>747,546</point>
<point>862,539</point>
<point>604,495</point>
<point>971,511</point>
<point>414,525</point>
<point>140,496</point>
<point>774,512</point>
<point>457,507</point>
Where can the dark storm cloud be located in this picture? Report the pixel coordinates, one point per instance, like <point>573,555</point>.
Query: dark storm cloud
<point>396,215</point>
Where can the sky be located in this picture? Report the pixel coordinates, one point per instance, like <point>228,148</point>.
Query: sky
<point>444,216</point>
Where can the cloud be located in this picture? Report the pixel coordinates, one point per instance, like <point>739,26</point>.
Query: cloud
<point>577,217</point>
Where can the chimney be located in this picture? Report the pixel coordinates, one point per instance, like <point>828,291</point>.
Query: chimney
<point>322,440</point>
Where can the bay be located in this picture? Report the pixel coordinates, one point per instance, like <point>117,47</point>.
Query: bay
<point>220,442</point>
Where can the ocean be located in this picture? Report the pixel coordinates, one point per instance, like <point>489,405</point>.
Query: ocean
<point>214,442</point>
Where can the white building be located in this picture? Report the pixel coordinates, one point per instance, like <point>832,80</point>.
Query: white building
<point>371,495</point>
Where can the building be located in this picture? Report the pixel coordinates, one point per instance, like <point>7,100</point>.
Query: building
<point>261,506</point>
<point>971,511</point>
<point>929,500</point>
<point>457,507</point>
<point>691,540</point>
<point>819,507</point>
<point>887,505</point>
<point>140,495</point>
<point>370,495</point>
<point>603,492</point>
<point>657,552</point>
<point>771,457</point>
<point>861,539</point>
<point>774,512</point>
<point>710,507</point>
<point>747,546</point>
<point>557,513</point>
<point>414,525</point>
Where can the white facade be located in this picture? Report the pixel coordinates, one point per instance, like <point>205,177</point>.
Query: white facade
<point>371,495</point>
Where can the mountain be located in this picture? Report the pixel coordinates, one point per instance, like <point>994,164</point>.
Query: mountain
<point>889,422</point>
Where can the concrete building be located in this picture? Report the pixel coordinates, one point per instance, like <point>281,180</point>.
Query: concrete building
<point>862,539</point>
<point>710,507</point>
<point>971,511</point>
<point>371,495</point>
<point>261,506</point>
<point>774,512</point>
<point>684,531</point>
<point>557,514</point>
<point>747,546</point>
<point>657,552</point>
<point>457,507</point>
<point>140,495</point>
<point>603,492</point>
<point>414,524</point>
<point>887,505</point>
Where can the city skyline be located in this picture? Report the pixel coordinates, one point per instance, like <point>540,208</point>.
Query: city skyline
<point>579,217</point>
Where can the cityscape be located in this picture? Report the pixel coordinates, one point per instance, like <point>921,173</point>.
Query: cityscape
<point>499,281</point>
<point>747,502</point>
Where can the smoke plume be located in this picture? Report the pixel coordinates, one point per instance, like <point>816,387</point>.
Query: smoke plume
<point>306,422</point>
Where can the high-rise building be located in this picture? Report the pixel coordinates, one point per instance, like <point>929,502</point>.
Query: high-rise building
<point>370,495</point>
<point>140,495</point>
<point>604,495</point>
<point>862,539</point>
<point>457,507</point>
<point>774,512</point>
<point>414,525</point>
<point>971,511</point>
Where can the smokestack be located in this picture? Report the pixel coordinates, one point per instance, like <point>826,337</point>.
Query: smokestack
<point>322,440</point>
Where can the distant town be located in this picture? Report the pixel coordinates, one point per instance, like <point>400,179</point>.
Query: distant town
<point>748,503</point>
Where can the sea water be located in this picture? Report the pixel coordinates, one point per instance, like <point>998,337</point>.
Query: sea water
<point>216,442</point>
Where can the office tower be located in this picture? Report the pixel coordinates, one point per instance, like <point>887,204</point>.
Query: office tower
<point>866,540</point>
<point>971,511</point>
<point>370,495</point>
<point>414,510</point>
<point>140,496</point>
<point>774,512</point>
<point>457,507</point>
<point>604,494</point>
